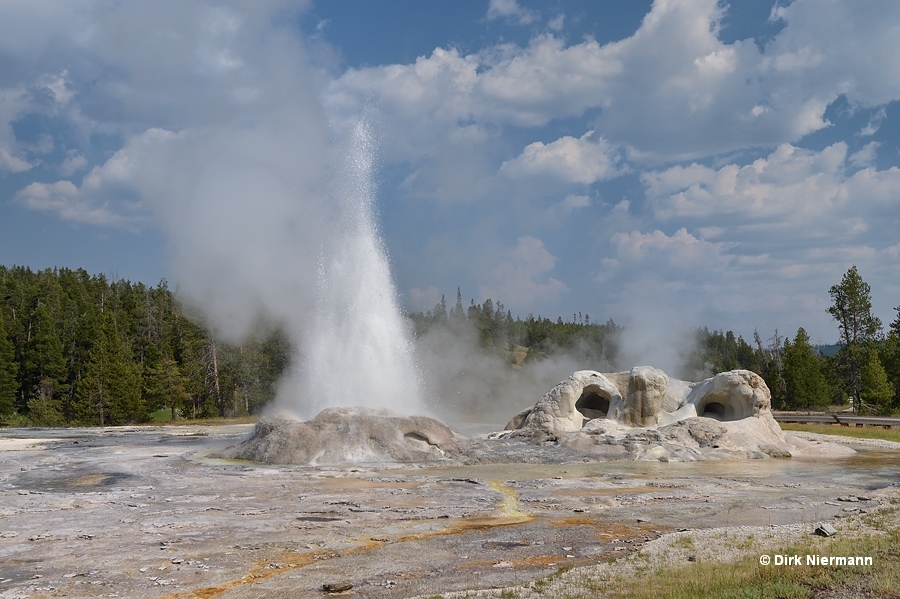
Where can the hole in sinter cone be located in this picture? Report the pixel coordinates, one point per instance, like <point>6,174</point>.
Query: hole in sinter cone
<point>417,437</point>
<point>714,410</point>
<point>592,405</point>
<point>724,409</point>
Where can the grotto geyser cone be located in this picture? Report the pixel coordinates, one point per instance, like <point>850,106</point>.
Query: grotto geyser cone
<point>656,417</point>
<point>347,436</point>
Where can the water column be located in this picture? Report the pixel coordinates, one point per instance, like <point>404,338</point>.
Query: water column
<point>358,350</point>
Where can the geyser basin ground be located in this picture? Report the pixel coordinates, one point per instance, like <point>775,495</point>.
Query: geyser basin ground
<point>139,512</point>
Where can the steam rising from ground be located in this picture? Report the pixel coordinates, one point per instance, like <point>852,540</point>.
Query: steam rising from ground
<point>472,387</point>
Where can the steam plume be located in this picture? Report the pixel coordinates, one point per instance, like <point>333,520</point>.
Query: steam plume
<point>269,216</point>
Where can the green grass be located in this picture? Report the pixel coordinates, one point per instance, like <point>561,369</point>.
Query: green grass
<point>857,432</point>
<point>746,578</point>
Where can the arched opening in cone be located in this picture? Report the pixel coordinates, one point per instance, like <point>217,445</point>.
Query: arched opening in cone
<point>714,410</point>
<point>592,403</point>
<point>724,409</point>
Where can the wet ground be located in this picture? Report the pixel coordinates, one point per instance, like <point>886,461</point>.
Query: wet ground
<point>142,512</point>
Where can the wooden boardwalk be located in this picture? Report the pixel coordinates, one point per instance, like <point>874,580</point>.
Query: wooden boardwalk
<point>839,418</point>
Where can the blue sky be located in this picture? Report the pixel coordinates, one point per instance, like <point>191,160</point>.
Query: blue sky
<point>678,162</point>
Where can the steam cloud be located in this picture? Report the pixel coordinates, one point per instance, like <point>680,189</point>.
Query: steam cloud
<point>269,217</point>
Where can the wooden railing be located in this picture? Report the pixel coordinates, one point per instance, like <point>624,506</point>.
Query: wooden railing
<point>841,418</point>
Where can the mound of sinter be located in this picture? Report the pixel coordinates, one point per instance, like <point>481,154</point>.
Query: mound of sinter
<point>347,435</point>
<point>646,415</point>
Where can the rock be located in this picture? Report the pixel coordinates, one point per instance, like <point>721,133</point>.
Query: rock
<point>725,416</point>
<point>645,397</point>
<point>647,388</point>
<point>731,396</point>
<point>346,435</point>
<point>336,587</point>
<point>704,432</point>
<point>825,530</point>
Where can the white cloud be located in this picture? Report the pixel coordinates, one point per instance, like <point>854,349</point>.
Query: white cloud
<point>792,222</point>
<point>58,87</point>
<point>67,202</point>
<point>808,193</point>
<point>108,195</point>
<point>790,181</point>
<point>557,23</point>
<point>12,163</point>
<point>519,280</point>
<point>558,212</point>
<point>874,123</point>
<point>73,162</point>
<point>499,86</point>
<point>673,90</point>
<point>573,202</point>
<point>672,255</point>
<point>866,155</point>
<point>846,36</point>
<point>571,160</point>
<point>510,9</point>
<point>13,101</point>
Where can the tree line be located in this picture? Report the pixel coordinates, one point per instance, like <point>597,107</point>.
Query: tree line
<point>81,349</point>
<point>864,369</point>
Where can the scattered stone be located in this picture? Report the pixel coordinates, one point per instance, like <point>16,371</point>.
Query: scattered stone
<point>848,498</point>
<point>825,530</point>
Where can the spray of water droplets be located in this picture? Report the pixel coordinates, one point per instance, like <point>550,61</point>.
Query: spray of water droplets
<point>356,350</point>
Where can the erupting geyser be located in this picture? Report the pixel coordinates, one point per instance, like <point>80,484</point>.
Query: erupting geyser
<point>356,350</point>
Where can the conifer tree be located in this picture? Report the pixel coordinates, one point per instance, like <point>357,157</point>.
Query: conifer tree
<point>8,370</point>
<point>852,309</point>
<point>110,392</point>
<point>43,366</point>
<point>876,390</point>
<point>165,387</point>
<point>889,352</point>
<point>805,385</point>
